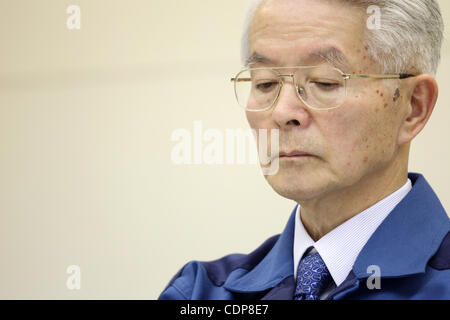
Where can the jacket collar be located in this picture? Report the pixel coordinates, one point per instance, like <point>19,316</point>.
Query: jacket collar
<point>408,237</point>
<point>276,266</point>
<point>401,245</point>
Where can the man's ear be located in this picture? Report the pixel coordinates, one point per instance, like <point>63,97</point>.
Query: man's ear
<point>421,99</point>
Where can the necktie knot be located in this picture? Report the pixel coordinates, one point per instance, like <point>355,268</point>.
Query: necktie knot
<point>312,277</point>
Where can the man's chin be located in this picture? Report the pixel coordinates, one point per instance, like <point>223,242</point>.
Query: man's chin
<point>292,189</point>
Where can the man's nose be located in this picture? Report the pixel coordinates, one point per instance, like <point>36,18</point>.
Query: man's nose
<point>289,110</point>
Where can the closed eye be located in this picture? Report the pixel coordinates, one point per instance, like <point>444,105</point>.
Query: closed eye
<point>326,85</point>
<point>266,86</point>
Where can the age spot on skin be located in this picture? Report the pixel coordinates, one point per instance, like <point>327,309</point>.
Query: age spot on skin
<point>396,95</point>
<point>365,159</point>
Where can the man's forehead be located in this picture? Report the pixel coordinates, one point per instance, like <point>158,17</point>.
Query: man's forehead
<point>305,30</point>
<point>303,8</point>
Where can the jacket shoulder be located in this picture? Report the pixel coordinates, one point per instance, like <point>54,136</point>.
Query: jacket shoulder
<point>199,279</point>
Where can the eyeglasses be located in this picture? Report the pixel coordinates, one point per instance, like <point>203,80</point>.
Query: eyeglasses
<point>318,87</point>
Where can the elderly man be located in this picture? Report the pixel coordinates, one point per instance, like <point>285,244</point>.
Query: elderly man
<point>347,91</point>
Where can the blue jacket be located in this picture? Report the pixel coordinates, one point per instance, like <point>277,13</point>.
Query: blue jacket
<point>411,248</point>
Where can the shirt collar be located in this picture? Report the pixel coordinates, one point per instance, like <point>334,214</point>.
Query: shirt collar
<point>340,247</point>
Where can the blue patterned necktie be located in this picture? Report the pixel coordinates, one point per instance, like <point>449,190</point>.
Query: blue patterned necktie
<point>312,278</point>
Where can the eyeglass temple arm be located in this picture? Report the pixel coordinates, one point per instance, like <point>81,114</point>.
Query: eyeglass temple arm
<point>379,76</point>
<point>241,79</point>
<point>353,76</point>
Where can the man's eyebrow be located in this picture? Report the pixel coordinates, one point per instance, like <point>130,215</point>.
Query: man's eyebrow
<point>330,54</point>
<point>258,58</point>
<point>333,56</point>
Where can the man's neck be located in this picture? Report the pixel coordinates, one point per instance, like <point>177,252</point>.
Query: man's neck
<point>320,216</point>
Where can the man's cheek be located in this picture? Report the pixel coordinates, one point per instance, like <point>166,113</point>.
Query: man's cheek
<point>349,158</point>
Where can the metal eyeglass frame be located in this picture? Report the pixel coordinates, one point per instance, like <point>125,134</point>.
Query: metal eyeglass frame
<point>345,76</point>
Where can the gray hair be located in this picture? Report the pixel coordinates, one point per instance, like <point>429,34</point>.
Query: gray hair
<point>409,38</point>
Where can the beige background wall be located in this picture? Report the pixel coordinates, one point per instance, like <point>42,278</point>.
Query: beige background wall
<point>85,124</point>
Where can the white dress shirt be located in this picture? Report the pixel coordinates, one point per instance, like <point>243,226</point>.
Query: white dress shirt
<point>340,247</point>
